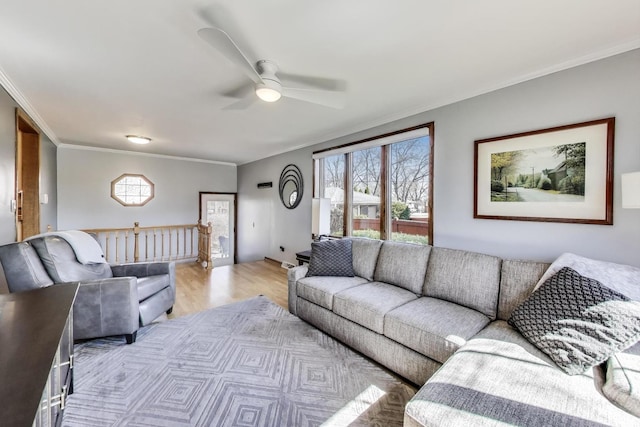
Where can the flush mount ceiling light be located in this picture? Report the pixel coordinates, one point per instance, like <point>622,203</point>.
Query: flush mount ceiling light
<point>136,139</point>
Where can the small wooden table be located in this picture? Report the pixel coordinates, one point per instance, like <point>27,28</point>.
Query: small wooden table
<point>303,257</point>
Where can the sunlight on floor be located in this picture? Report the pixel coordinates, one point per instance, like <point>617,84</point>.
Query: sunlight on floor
<point>352,410</point>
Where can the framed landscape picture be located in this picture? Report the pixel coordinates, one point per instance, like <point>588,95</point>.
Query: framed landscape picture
<point>561,174</point>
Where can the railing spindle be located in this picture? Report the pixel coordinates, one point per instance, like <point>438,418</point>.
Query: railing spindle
<point>117,247</point>
<point>162,248</point>
<point>136,248</point>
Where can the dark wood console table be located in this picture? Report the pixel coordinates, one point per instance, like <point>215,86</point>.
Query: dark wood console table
<point>36,355</point>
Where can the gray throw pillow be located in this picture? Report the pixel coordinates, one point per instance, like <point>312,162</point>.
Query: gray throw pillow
<point>331,258</point>
<point>577,321</point>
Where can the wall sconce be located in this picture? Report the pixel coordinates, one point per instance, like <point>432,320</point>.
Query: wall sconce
<point>320,218</point>
<point>631,190</point>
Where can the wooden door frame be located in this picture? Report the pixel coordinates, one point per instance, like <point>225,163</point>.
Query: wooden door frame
<point>24,125</point>
<point>235,217</point>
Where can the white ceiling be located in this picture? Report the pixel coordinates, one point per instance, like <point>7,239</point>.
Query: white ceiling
<point>89,72</point>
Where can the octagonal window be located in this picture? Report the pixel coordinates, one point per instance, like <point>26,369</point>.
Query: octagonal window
<point>132,189</point>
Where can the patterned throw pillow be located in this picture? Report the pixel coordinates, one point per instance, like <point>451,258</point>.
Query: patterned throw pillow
<point>331,258</point>
<point>577,321</point>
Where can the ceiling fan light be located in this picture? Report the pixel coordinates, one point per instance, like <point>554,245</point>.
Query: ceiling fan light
<point>136,139</point>
<point>267,94</point>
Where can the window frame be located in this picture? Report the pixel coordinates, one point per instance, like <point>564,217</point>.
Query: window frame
<point>385,163</point>
<point>132,175</point>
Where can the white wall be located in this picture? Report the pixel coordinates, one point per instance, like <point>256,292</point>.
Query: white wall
<point>7,167</point>
<point>48,183</point>
<point>264,224</point>
<point>84,188</point>
<point>605,88</point>
<point>8,172</point>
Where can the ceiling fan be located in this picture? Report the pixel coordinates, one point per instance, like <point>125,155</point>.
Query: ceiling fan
<point>268,86</point>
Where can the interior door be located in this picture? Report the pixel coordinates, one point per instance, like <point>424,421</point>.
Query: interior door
<point>27,178</point>
<point>220,210</point>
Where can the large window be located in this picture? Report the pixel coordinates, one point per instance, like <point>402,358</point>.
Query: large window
<point>332,187</point>
<point>380,187</point>
<point>366,194</point>
<point>410,176</point>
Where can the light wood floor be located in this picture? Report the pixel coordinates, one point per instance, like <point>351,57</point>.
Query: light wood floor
<point>198,289</point>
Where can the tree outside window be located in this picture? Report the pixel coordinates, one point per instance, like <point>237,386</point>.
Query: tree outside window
<point>410,176</point>
<point>389,169</point>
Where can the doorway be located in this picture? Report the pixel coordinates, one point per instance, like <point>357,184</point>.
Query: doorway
<point>27,194</point>
<point>219,209</point>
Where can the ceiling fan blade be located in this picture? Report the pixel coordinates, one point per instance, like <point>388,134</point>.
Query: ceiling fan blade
<point>242,104</point>
<point>312,82</point>
<point>221,42</point>
<point>240,92</point>
<point>332,99</point>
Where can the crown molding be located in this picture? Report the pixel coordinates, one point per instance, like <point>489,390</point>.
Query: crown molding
<point>423,108</point>
<point>26,106</point>
<point>137,153</point>
<point>629,45</point>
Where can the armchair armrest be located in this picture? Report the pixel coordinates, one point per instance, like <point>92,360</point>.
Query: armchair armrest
<point>293,275</point>
<point>145,269</point>
<point>142,269</point>
<point>106,307</point>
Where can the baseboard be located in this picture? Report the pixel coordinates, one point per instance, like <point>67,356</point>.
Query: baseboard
<point>273,261</point>
<point>284,264</point>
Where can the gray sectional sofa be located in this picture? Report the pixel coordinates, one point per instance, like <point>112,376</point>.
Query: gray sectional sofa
<point>437,317</point>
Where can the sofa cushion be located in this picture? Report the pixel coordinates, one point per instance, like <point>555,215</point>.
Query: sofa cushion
<point>403,361</point>
<point>331,258</point>
<point>498,378</point>
<point>151,285</point>
<point>61,263</point>
<point>321,289</point>
<point>402,264</point>
<point>433,327</point>
<point>466,278</point>
<point>367,304</point>
<point>622,384</point>
<point>577,321</point>
<point>365,256</point>
<point>517,280</point>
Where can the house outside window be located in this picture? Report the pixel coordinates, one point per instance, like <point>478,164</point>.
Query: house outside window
<point>390,186</point>
<point>332,187</point>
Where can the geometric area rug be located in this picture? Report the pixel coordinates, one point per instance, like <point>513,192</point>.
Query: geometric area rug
<point>249,363</point>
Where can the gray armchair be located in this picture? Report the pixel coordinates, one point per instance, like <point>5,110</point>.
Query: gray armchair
<point>111,299</point>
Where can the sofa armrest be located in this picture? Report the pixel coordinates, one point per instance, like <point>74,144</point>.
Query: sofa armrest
<point>145,269</point>
<point>106,307</point>
<point>293,275</point>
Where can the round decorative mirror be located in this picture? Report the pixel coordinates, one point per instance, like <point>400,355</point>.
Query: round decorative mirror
<point>291,186</point>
